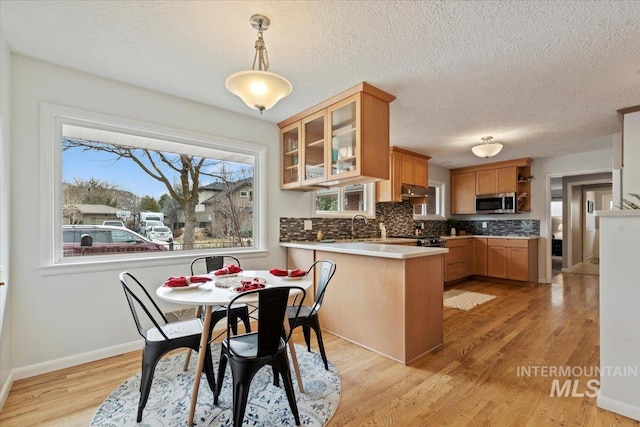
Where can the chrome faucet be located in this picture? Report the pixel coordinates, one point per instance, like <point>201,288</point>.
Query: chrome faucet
<point>353,218</point>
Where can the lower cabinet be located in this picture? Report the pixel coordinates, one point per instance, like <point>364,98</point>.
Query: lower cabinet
<point>514,259</point>
<point>458,260</point>
<point>480,247</point>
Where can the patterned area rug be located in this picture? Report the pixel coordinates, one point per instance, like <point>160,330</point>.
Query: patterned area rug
<point>168,403</point>
<point>465,300</point>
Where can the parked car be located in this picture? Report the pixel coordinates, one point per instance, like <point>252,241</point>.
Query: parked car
<point>114,223</point>
<point>158,231</point>
<point>104,240</point>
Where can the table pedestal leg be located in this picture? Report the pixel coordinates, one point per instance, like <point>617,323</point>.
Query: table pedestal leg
<point>204,342</point>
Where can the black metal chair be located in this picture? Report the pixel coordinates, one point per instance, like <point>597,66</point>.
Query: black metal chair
<point>247,353</point>
<point>240,312</point>
<point>209,264</point>
<point>159,335</point>
<point>308,316</point>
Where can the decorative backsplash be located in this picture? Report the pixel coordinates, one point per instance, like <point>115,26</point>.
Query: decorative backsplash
<point>398,218</point>
<point>525,227</point>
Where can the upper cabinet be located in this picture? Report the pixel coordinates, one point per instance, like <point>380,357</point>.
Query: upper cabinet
<point>463,193</point>
<point>290,168</point>
<point>512,176</point>
<point>499,180</point>
<point>405,167</point>
<point>339,141</point>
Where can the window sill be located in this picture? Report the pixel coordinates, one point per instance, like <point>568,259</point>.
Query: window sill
<point>105,263</point>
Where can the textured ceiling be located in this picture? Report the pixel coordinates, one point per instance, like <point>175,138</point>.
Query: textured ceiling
<point>544,78</point>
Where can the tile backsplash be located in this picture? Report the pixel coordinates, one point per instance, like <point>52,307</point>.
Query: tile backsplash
<point>398,218</point>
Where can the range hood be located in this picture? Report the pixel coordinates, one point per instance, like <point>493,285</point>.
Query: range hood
<point>409,191</point>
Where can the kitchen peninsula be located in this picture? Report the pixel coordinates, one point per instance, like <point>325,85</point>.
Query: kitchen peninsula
<point>384,297</point>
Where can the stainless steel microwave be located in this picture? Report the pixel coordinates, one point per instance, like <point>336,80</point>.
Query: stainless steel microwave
<point>502,203</point>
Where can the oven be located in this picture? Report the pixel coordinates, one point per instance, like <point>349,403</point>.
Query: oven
<point>431,242</point>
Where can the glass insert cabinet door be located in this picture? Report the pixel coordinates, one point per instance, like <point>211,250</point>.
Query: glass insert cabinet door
<point>314,154</point>
<point>345,137</point>
<point>291,155</point>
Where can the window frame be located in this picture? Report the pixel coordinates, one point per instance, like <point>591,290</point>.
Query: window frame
<point>441,187</point>
<point>369,202</point>
<point>52,119</point>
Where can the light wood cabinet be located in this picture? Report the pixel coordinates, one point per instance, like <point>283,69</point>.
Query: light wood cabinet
<point>497,258</point>
<point>499,180</point>
<point>463,193</point>
<point>500,177</point>
<point>480,248</point>
<point>514,259</point>
<point>338,141</point>
<point>458,261</point>
<point>290,176</point>
<point>314,149</point>
<point>405,167</point>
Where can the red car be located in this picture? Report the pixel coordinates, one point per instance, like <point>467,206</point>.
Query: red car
<point>98,239</point>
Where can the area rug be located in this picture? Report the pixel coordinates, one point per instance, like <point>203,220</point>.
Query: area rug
<point>465,300</point>
<point>170,397</point>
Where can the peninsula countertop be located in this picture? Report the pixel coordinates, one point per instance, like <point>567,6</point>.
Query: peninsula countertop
<point>381,248</point>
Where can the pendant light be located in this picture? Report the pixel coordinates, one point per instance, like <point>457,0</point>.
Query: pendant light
<point>259,88</point>
<point>487,148</point>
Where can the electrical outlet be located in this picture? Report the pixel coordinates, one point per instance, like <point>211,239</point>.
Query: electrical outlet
<point>308,225</point>
<point>484,224</point>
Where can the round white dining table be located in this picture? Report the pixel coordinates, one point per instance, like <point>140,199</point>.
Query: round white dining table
<point>209,295</point>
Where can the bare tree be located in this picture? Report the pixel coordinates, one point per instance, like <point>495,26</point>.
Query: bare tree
<point>163,167</point>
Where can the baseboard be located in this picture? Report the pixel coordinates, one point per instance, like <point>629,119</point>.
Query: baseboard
<point>618,407</point>
<point>78,359</point>
<point>4,393</point>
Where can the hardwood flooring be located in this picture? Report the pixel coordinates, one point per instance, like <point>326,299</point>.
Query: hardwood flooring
<point>473,380</point>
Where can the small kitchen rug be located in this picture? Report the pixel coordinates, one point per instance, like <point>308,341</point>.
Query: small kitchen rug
<point>465,300</point>
<point>168,403</point>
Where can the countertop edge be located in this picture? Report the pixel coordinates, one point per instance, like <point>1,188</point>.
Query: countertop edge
<point>470,236</point>
<point>380,250</point>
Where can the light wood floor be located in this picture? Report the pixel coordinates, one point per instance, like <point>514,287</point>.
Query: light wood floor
<point>472,380</point>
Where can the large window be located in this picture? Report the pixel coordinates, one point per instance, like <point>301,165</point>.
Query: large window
<point>345,201</point>
<point>174,191</point>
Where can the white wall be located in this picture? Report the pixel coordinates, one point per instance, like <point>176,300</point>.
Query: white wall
<point>631,152</point>
<point>542,169</point>
<point>5,219</point>
<point>66,316</point>
<point>619,314</point>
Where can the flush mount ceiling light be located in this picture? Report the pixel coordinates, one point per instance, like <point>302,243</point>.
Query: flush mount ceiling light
<point>487,148</point>
<point>259,89</point>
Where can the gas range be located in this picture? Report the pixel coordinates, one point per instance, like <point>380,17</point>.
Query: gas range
<point>426,241</point>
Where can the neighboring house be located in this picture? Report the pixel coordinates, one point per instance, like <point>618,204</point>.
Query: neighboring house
<point>225,204</point>
<point>87,214</point>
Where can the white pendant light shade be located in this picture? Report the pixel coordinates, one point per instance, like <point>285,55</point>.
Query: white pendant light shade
<point>260,90</point>
<point>487,148</point>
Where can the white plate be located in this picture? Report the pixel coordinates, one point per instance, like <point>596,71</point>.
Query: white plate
<point>184,288</point>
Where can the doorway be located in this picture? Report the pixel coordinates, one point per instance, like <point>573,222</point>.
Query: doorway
<point>572,227</point>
